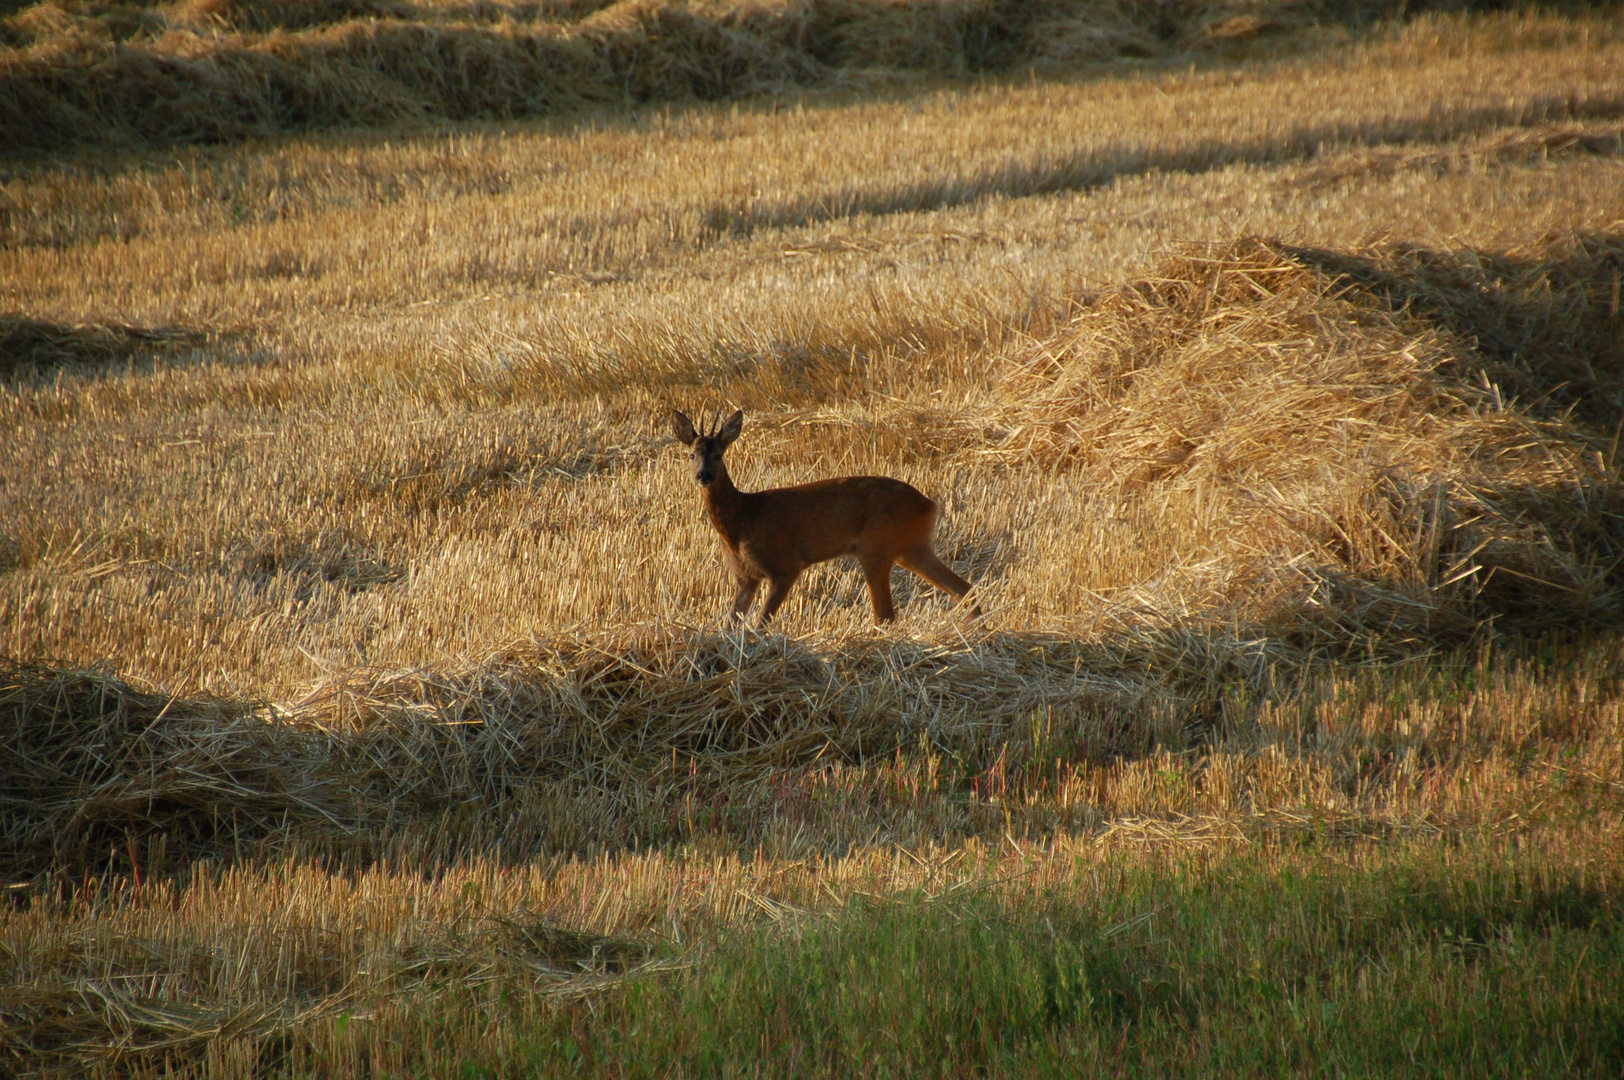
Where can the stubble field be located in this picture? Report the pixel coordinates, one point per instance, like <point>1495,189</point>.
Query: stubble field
<point>367,706</point>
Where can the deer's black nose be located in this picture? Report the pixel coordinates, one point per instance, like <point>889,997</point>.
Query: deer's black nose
<point>704,476</point>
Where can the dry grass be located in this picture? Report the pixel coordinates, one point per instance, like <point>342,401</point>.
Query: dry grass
<point>214,70</point>
<point>364,632</point>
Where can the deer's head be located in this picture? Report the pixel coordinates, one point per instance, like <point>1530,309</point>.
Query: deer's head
<point>705,449</point>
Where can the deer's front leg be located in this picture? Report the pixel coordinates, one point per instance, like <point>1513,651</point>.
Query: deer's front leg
<point>776,595</point>
<point>744,596</point>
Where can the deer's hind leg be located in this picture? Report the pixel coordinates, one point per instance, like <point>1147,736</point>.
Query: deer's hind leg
<point>922,560</point>
<point>877,572</point>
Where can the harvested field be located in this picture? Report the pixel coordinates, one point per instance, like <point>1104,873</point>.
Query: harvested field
<point>366,705</point>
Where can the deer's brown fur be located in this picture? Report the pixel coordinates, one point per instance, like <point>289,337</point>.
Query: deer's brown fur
<point>772,536</point>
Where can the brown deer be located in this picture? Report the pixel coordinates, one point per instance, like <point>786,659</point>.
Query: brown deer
<point>773,535</point>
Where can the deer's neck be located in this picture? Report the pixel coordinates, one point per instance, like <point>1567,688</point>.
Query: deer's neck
<point>725,503</point>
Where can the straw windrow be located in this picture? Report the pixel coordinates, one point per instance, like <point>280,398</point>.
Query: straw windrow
<point>222,70</point>
<point>1345,431</point>
<point>580,742</point>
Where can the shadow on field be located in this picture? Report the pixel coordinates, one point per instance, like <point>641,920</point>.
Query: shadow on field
<point>31,348</point>
<point>574,745</point>
<point>334,558</point>
<point>739,741</point>
<point>1529,141</point>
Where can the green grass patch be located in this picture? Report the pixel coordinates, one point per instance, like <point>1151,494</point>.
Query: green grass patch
<point>1423,965</point>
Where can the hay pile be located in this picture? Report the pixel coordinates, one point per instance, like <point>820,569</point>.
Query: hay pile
<point>96,775</point>
<point>1399,446</point>
<point>220,70</point>
<point>562,745</point>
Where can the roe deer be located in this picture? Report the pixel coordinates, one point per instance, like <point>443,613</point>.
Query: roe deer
<point>773,535</point>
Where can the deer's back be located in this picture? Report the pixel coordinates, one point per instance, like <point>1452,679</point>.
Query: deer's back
<point>809,523</point>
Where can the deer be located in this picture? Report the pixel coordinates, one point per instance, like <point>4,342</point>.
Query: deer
<point>772,536</point>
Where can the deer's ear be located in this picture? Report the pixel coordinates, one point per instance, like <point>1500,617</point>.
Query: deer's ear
<point>682,428</point>
<point>730,430</point>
